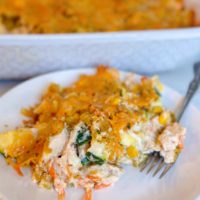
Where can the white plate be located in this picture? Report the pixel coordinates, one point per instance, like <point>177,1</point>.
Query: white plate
<point>182,182</point>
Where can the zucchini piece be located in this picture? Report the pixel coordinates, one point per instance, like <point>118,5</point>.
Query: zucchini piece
<point>14,143</point>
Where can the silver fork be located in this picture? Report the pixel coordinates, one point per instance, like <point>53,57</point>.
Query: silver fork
<point>155,163</point>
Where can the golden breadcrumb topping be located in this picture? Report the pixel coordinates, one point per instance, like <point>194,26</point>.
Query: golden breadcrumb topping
<point>50,16</point>
<point>100,98</point>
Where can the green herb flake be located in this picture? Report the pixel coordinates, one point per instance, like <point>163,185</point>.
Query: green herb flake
<point>72,185</point>
<point>98,131</point>
<point>129,126</point>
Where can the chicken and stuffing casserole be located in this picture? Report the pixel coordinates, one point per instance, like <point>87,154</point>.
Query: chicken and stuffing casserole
<point>63,16</point>
<point>83,135</point>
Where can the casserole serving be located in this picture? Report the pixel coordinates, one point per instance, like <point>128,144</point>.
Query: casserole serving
<point>83,135</point>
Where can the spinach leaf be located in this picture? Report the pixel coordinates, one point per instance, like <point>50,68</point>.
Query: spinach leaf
<point>83,136</point>
<point>85,161</point>
<point>92,159</point>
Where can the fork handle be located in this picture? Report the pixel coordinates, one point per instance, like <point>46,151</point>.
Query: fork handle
<point>193,86</point>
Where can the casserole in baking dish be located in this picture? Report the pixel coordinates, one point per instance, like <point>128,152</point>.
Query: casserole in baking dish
<point>69,16</point>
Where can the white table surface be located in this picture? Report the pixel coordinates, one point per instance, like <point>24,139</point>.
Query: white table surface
<point>177,79</point>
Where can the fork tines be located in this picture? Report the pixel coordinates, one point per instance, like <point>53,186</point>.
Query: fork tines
<point>155,163</point>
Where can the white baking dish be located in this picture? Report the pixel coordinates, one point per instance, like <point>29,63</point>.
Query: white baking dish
<point>22,56</point>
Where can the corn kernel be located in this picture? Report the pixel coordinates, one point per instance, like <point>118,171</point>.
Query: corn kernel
<point>157,109</point>
<point>164,118</point>
<point>116,101</point>
<point>160,86</point>
<point>92,172</point>
<point>132,152</point>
